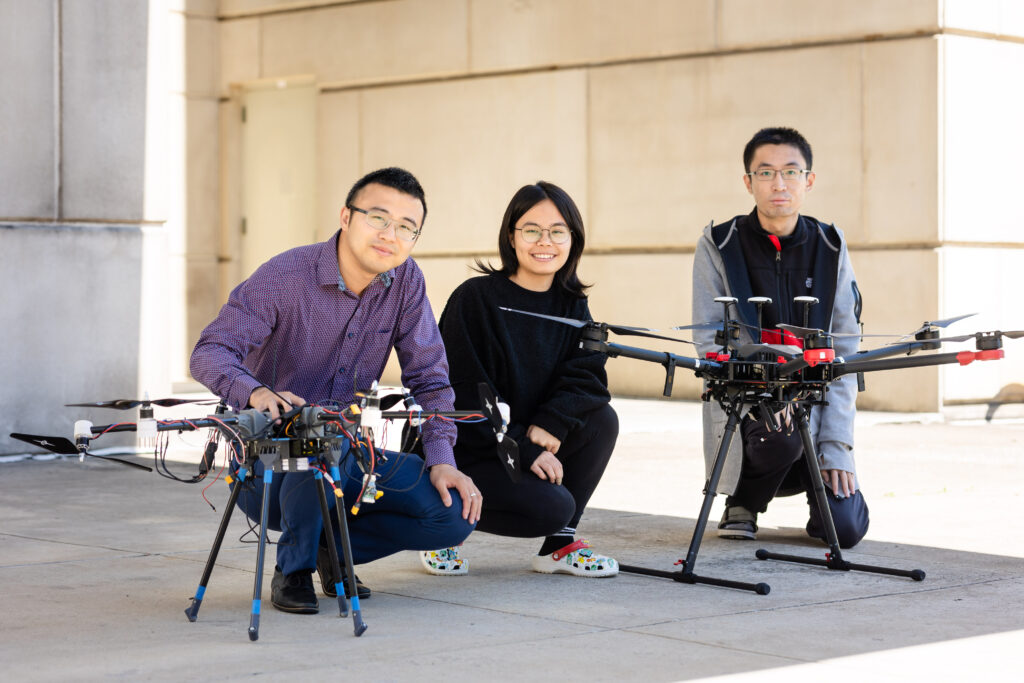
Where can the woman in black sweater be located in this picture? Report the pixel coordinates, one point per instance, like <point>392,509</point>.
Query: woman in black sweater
<point>558,393</point>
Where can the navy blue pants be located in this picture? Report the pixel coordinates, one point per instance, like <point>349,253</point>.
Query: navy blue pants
<point>409,516</point>
<point>773,465</point>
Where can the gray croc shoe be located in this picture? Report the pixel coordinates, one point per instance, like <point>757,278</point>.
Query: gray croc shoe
<point>738,523</point>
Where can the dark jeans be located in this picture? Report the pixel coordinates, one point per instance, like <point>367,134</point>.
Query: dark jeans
<point>773,465</point>
<point>534,507</point>
<point>413,519</point>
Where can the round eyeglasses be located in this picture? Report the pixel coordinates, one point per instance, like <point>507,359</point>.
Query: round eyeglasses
<point>558,234</point>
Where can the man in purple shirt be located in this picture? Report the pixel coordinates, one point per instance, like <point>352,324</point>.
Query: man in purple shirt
<point>315,324</point>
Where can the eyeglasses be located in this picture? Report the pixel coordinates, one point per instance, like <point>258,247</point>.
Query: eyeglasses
<point>789,175</point>
<point>380,220</point>
<point>559,234</point>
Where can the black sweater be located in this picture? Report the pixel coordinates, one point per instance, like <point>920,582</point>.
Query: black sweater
<point>534,365</point>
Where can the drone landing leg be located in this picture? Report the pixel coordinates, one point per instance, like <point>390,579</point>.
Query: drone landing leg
<point>332,549</point>
<point>358,625</point>
<point>686,575</point>
<point>833,558</point>
<point>192,611</point>
<point>257,591</point>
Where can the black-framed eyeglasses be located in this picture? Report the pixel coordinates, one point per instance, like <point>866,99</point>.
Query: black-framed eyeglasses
<point>558,234</point>
<point>789,175</point>
<point>380,220</point>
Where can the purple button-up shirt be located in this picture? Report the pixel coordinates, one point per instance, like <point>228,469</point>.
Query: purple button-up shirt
<point>294,326</point>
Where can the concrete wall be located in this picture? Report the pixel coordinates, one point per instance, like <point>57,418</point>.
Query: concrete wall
<point>640,110</point>
<point>102,170</point>
<point>120,126</point>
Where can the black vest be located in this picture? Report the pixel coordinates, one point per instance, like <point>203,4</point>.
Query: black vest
<point>807,264</point>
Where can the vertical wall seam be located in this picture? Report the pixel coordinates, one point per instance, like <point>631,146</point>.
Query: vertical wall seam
<point>58,113</point>
<point>588,109</point>
<point>469,36</point>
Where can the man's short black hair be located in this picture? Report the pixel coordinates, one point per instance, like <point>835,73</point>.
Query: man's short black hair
<point>393,177</point>
<point>777,136</point>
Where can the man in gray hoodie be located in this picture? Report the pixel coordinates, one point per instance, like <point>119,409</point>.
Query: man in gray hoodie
<point>776,252</point>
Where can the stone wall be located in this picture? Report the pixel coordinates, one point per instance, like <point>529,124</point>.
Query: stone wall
<point>640,110</point>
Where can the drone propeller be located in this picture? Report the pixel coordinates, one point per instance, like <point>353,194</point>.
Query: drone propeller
<point>701,326</point>
<point>805,331</point>
<point>508,449</point>
<point>127,403</point>
<point>617,329</point>
<point>62,446</point>
<point>1012,334</point>
<point>937,323</point>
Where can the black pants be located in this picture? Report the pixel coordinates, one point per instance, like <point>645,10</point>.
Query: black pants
<point>534,507</point>
<point>773,465</point>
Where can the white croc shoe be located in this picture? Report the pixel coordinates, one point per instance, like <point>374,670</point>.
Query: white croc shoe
<point>444,562</point>
<point>577,559</point>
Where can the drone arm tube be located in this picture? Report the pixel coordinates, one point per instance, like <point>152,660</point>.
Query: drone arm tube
<point>887,351</point>
<point>961,357</point>
<point>660,357</point>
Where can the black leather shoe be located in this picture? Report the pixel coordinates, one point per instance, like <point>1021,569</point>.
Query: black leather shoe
<point>323,568</point>
<point>294,593</point>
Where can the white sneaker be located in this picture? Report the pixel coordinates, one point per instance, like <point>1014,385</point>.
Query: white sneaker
<point>444,562</point>
<point>577,559</point>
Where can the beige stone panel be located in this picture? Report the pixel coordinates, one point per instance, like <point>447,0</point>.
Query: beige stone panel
<point>901,291</point>
<point>746,24</point>
<point>338,156</point>
<point>230,8</point>
<point>643,290</point>
<point>367,41</point>
<point>983,146</point>
<point>987,281</point>
<point>202,55</point>
<point>474,143</point>
<point>999,17</point>
<point>239,43</point>
<point>229,245</point>
<point>901,143</point>
<point>667,138</point>
<point>202,302</point>
<point>512,34</point>
<point>202,178</point>
<point>196,8</point>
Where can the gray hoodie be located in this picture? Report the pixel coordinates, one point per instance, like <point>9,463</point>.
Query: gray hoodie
<point>831,425</point>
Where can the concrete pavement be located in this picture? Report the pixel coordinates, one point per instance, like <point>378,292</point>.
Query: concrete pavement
<point>98,563</point>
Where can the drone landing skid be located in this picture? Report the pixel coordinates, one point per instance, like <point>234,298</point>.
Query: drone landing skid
<point>834,558</point>
<point>686,575</point>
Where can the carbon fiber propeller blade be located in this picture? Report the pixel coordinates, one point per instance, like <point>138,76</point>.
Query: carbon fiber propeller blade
<point>1012,334</point>
<point>127,403</point>
<point>62,446</point>
<point>804,331</point>
<point>617,329</point>
<point>54,444</point>
<point>938,323</point>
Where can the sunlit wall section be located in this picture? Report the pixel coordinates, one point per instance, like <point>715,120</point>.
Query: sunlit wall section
<point>641,110</point>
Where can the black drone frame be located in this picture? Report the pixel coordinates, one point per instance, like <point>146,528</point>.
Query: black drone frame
<point>772,377</point>
<point>314,443</point>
